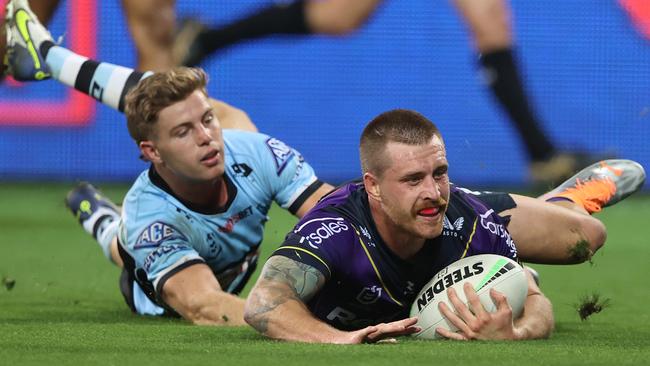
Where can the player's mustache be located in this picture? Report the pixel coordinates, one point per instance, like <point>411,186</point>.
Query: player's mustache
<point>441,202</point>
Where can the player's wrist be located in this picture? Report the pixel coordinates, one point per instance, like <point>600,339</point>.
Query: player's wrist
<point>519,333</point>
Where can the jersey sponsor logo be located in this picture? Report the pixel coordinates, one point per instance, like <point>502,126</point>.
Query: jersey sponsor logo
<point>409,288</point>
<point>452,229</point>
<point>242,169</point>
<point>369,295</point>
<point>448,280</point>
<point>498,230</point>
<point>341,315</point>
<point>159,252</point>
<point>157,233</point>
<point>234,219</point>
<point>281,152</point>
<point>327,228</point>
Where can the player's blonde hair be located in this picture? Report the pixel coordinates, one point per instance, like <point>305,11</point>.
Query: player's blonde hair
<point>156,92</point>
<point>398,125</point>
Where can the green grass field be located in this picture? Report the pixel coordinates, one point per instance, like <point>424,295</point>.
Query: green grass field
<point>65,306</point>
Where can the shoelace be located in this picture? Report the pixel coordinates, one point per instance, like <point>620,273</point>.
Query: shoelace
<point>591,194</point>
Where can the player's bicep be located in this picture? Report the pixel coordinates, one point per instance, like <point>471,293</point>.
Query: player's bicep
<point>304,280</point>
<point>312,199</point>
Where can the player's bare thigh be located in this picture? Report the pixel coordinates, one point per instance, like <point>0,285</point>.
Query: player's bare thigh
<point>152,24</point>
<point>489,22</point>
<point>549,233</point>
<point>232,117</point>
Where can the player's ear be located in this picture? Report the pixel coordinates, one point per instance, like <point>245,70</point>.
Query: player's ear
<point>149,151</point>
<point>371,184</point>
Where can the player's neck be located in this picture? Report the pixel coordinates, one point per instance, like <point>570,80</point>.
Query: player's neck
<point>207,194</point>
<point>402,243</point>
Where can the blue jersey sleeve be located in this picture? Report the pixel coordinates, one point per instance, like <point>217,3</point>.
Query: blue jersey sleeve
<point>158,240</point>
<point>291,178</point>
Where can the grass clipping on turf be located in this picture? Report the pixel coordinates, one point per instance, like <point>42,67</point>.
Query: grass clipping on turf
<point>591,304</point>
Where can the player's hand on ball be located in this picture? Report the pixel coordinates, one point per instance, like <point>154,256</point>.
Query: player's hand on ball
<point>477,323</point>
<point>385,332</point>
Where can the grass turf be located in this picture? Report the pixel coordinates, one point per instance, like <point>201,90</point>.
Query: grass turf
<point>65,307</point>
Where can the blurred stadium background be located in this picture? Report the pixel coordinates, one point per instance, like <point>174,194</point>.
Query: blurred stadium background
<point>584,62</point>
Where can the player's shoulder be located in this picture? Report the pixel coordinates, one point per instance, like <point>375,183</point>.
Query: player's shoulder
<point>319,227</point>
<point>146,203</point>
<point>466,201</point>
<point>261,149</point>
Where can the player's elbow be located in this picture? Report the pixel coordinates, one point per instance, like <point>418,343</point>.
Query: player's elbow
<point>252,308</point>
<point>218,314</point>
<point>200,314</point>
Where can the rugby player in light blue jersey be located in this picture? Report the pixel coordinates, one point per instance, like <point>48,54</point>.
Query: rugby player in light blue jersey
<point>192,223</point>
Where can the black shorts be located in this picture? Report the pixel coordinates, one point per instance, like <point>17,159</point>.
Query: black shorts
<point>499,202</point>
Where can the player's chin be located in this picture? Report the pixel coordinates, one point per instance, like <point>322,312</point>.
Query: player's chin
<point>429,230</point>
<point>207,173</point>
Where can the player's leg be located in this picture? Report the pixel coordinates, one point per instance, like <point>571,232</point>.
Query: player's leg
<point>557,227</point>
<point>98,216</point>
<point>338,17</point>
<point>490,25</point>
<point>300,17</point>
<point>152,24</point>
<point>105,82</point>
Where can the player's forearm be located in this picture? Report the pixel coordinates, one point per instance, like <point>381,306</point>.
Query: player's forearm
<point>221,309</point>
<point>537,320</point>
<point>275,311</point>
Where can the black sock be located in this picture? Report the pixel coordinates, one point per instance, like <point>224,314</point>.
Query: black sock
<point>275,19</point>
<point>503,78</point>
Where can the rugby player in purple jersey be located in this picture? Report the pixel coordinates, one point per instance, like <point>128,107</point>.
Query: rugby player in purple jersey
<point>352,266</point>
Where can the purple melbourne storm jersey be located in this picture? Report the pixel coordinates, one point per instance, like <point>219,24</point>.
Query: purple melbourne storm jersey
<point>366,283</point>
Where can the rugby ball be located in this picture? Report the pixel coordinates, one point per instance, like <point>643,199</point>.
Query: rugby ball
<point>483,272</point>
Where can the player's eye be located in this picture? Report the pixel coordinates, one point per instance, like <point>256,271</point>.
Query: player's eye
<point>440,173</point>
<point>181,132</point>
<point>413,180</point>
<point>208,119</point>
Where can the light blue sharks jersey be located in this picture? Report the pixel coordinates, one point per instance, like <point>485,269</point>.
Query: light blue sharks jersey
<point>162,235</point>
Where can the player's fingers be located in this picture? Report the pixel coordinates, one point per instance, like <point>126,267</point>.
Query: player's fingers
<point>400,327</point>
<point>446,333</point>
<point>454,319</point>
<point>459,306</point>
<point>500,300</point>
<point>474,301</point>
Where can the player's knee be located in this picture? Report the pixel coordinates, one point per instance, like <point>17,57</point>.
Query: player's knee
<point>596,232</point>
<point>339,27</point>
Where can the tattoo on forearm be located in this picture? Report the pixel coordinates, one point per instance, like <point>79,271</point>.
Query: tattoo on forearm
<point>282,280</point>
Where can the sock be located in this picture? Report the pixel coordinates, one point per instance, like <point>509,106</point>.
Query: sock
<point>105,82</point>
<point>106,235</point>
<point>503,78</point>
<point>275,19</point>
<point>103,225</point>
<point>559,198</point>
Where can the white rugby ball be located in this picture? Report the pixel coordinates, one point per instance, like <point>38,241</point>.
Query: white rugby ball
<point>483,272</point>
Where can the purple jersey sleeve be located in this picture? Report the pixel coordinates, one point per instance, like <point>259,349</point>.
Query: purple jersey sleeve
<point>322,240</point>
